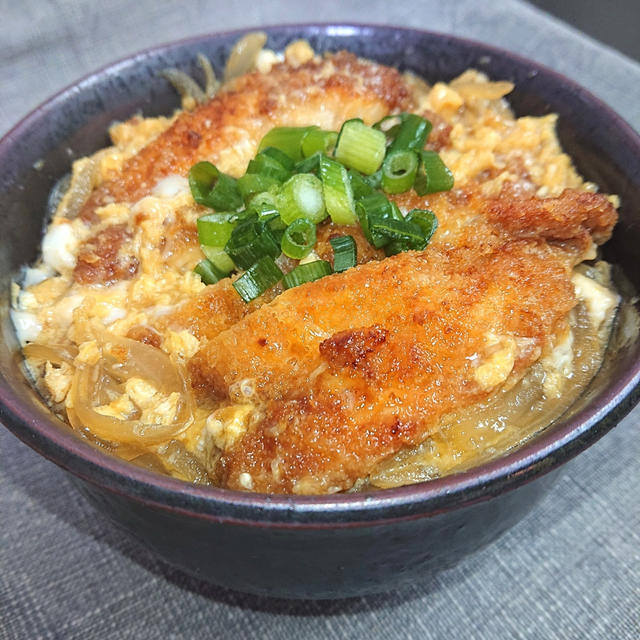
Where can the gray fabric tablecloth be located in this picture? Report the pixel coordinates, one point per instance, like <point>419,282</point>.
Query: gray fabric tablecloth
<point>569,570</point>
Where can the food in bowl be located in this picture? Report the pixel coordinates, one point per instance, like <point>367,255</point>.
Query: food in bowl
<point>397,369</point>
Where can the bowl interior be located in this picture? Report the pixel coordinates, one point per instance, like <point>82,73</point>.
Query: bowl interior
<point>38,151</point>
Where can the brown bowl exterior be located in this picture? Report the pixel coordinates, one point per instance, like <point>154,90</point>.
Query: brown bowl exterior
<point>325,546</point>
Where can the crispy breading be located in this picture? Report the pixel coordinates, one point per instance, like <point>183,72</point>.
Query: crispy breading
<point>227,129</point>
<point>352,368</point>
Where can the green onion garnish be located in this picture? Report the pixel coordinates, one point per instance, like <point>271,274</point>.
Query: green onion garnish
<point>427,222</point>
<point>250,241</point>
<point>338,195</point>
<point>403,230</point>
<point>374,206</point>
<point>306,273</point>
<point>290,187</point>
<point>399,171</point>
<point>263,204</point>
<point>287,139</point>
<point>208,273</point>
<point>252,183</point>
<point>433,174</point>
<point>359,185</point>
<point>412,134</point>
<point>261,276</point>
<point>266,165</point>
<point>298,239</point>
<point>318,141</point>
<point>214,229</point>
<point>219,258</point>
<point>301,197</point>
<point>310,164</point>
<point>344,253</point>
<point>212,188</point>
<point>360,147</point>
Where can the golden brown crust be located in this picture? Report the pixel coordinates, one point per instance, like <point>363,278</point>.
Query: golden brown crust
<point>101,259</point>
<point>335,89</point>
<point>325,424</point>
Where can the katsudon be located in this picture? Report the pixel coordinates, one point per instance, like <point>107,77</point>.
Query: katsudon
<point>320,275</point>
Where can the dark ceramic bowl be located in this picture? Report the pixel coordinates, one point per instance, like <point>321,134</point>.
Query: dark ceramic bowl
<point>330,546</point>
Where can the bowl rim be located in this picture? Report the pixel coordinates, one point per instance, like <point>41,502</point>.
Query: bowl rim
<point>543,453</point>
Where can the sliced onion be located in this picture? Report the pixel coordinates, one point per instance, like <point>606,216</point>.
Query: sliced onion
<point>53,353</point>
<point>121,360</point>
<point>243,55</point>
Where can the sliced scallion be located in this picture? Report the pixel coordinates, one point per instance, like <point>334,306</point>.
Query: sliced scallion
<point>212,188</point>
<point>301,197</point>
<point>214,229</point>
<point>338,194</point>
<point>310,164</point>
<point>412,134</point>
<point>263,204</point>
<point>219,258</point>
<point>360,147</point>
<point>266,165</point>
<point>252,183</point>
<point>433,174</point>
<point>251,241</point>
<point>308,272</point>
<point>316,140</point>
<point>399,171</point>
<point>344,253</point>
<point>259,277</point>
<point>208,273</point>
<point>403,230</point>
<point>298,239</point>
<point>374,206</point>
<point>359,185</point>
<point>287,139</point>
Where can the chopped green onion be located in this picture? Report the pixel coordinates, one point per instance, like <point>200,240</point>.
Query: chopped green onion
<point>212,188</point>
<point>298,239</point>
<point>287,139</point>
<point>301,197</point>
<point>306,273</point>
<point>412,134</point>
<point>359,185</point>
<point>396,229</point>
<point>280,156</point>
<point>433,175</point>
<point>316,140</point>
<point>214,229</point>
<point>252,183</point>
<point>399,171</point>
<point>263,204</point>
<point>259,277</point>
<point>344,253</point>
<point>251,241</point>
<point>374,206</point>
<point>360,147</point>
<point>310,164</point>
<point>266,165</point>
<point>208,272</point>
<point>219,258</point>
<point>427,222</point>
<point>338,195</point>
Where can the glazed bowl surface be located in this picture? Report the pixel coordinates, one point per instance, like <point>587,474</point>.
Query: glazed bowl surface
<point>319,546</point>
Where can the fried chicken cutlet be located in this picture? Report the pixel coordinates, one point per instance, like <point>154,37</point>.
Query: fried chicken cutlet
<point>350,369</point>
<point>226,130</point>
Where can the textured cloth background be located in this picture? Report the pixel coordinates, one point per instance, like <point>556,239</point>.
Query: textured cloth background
<point>569,570</point>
